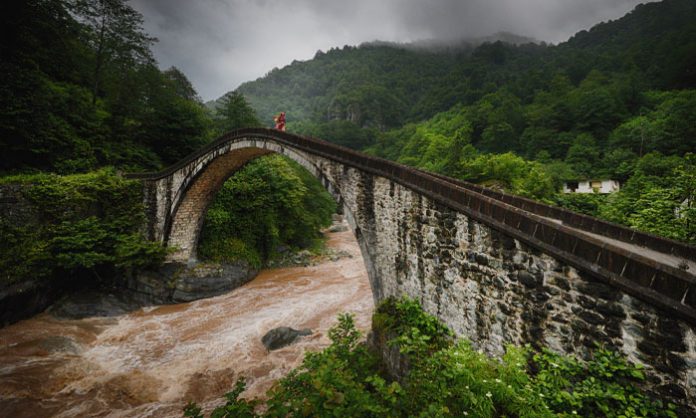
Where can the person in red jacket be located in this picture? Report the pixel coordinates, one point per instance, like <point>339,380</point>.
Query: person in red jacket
<point>280,121</point>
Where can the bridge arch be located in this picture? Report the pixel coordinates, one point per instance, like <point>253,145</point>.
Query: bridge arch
<point>177,199</point>
<point>200,186</point>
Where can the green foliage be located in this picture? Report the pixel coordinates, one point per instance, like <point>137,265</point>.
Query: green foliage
<point>589,83</point>
<point>233,113</point>
<point>83,91</point>
<point>583,155</point>
<point>337,382</point>
<point>445,378</point>
<point>509,172</point>
<point>585,203</point>
<point>271,201</point>
<point>659,198</point>
<point>233,408</point>
<point>84,224</point>
<point>604,386</point>
<point>414,328</point>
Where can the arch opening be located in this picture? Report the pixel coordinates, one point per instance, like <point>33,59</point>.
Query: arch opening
<point>200,185</point>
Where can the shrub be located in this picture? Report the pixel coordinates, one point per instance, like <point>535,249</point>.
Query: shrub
<point>85,223</point>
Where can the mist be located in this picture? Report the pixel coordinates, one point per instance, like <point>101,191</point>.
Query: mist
<point>220,44</point>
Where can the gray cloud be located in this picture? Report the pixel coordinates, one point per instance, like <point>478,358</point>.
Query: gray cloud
<point>219,44</point>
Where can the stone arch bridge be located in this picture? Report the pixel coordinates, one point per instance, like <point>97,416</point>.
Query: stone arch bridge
<point>495,267</point>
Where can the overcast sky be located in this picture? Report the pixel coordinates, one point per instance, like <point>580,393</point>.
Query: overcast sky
<point>220,44</point>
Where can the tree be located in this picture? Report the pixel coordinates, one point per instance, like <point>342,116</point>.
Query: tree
<point>619,164</point>
<point>181,84</point>
<point>271,201</point>
<point>114,32</point>
<point>639,135</point>
<point>235,113</point>
<point>39,104</point>
<point>583,156</point>
<point>173,124</point>
<point>498,138</point>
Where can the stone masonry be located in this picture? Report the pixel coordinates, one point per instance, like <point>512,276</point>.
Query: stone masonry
<point>485,283</point>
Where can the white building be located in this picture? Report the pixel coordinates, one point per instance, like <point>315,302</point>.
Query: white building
<point>591,186</point>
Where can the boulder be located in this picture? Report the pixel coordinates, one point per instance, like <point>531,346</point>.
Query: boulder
<point>207,280</point>
<point>282,336</point>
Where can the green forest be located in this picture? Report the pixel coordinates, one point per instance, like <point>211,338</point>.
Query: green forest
<point>617,101</point>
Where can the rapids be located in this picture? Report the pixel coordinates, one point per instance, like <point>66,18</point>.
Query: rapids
<point>151,361</point>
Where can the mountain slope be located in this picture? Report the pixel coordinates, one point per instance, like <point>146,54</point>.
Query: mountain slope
<point>382,85</point>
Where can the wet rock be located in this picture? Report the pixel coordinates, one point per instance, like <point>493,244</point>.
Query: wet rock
<point>176,282</point>
<point>337,255</point>
<point>25,299</point>
<point>591,317</point>
<point>611,309</point>
<point>481,259</point>
<point>282,336</point>
<point>599,290</point>
<point>561,282</point>
<point>207,280</point>
<point>302,258</point>
<point>94,303</point>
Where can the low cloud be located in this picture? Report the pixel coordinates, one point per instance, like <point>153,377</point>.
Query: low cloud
<point>219,44</point>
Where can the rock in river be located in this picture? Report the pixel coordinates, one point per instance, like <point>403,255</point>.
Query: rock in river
<point>282,336</point>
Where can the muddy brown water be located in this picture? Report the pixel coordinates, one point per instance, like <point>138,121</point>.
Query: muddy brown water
<point>150,362</point>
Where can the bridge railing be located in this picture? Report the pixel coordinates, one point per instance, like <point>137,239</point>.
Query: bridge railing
<point>658,283</point>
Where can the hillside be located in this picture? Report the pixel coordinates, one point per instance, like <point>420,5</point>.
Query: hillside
<point>615,101</point>
<point>384,85</point>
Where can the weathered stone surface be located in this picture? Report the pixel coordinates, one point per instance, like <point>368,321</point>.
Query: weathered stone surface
<point>527,279</point>
<point>282,336</point>
<point>176,282</point>
<point>206,280</point>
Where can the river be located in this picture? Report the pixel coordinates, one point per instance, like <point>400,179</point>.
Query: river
<point>151,361</point>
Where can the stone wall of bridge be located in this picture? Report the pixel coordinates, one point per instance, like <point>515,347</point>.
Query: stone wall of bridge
<point>493,289</point>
